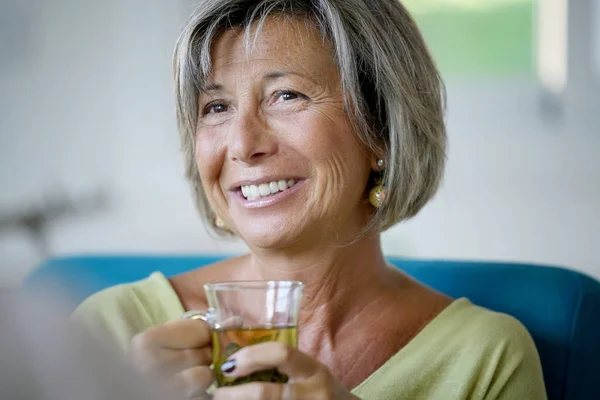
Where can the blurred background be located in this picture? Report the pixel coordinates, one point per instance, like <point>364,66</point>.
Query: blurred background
<point>89,153</point>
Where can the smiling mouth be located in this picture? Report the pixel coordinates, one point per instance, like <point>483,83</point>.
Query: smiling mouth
<point>253,192</point>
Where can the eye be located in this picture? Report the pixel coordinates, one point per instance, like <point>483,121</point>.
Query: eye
<point>214,108</point>
<point>286,95</point>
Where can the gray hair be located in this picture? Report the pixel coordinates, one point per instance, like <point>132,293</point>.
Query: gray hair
<point>389,80</point>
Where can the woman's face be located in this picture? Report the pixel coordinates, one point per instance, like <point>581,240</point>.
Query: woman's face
<point>277,157</point>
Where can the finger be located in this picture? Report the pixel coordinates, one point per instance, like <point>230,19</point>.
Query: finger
<point>193,382</point>
<point>178,360</point>
<point>254,391</point>
<point>168,361</point>
<point>264,356</point>
<point>180,334</point>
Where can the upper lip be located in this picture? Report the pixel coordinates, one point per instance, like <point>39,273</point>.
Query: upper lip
<point>237,185</point>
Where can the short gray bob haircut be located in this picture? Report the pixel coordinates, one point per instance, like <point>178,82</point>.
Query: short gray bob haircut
<point>389,79</point>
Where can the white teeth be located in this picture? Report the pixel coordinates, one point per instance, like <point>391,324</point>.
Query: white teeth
<point>252,192</point>
<point>264,189</point>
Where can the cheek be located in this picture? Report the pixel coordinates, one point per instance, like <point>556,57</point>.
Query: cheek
<point>341,164</point>
<point>329,139</point>
<point>209,159</point>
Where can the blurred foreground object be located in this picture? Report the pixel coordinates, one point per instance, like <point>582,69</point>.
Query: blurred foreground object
<point>43,356</point>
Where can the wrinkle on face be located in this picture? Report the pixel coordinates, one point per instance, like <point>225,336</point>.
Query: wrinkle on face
<point>312,136</point>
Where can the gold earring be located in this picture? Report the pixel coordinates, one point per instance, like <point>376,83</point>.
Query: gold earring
<point>378,193</point>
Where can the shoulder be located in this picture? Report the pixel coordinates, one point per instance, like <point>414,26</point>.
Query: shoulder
<point>492,326</point>
<point>120,312</point>
<point>466,351</point>
<point>498,347</point>
<point>464,325</point>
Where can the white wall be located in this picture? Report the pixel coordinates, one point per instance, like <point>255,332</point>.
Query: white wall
<point>596,37</point>
<point>56,106</point>
<point>93,108</point>
<point>582,95</point>
<point>515,189</point>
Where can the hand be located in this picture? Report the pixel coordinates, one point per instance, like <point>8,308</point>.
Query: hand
<point>177,352</point>
<point>308,378</point>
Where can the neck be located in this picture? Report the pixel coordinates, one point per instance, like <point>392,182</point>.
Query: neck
<point>339,281</point>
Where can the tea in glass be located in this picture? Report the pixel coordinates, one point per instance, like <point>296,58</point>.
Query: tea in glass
<point>246,313</point>
<point>228,341</point>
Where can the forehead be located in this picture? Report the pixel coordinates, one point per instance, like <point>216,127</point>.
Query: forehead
<point>280,43</point>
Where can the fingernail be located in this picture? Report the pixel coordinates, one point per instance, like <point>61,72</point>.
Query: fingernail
<point>228,366</point>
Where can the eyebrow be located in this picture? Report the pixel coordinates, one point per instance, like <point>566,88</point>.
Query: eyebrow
<point>270,76</point>
<point>280,74</point>
<point>275,75</point>
<point>211,87</point>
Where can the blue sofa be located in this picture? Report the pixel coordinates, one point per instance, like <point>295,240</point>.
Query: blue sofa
<point>559,307</point>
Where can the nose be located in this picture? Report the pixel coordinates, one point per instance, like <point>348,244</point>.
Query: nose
<point>250,139</point>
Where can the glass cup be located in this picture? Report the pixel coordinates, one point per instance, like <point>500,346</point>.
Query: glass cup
<point>245,313</point>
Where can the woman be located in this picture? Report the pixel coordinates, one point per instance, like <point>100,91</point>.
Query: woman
<point>309,127</point>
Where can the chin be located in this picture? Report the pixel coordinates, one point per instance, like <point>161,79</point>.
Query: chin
<point>264,239</point>
<point>269,235</point>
